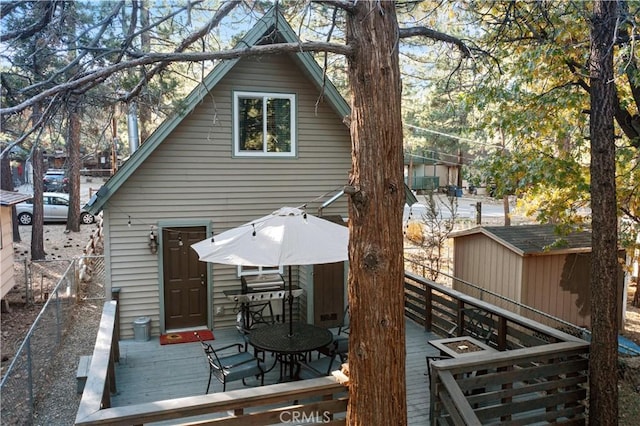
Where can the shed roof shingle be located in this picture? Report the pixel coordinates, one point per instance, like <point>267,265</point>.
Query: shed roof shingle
<point>533,239</point>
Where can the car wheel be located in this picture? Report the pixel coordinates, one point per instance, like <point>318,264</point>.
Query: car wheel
<point>25,218</point>
<point>86,218</point>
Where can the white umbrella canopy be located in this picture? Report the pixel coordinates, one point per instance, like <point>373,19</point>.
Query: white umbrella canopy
<point>288,236</point>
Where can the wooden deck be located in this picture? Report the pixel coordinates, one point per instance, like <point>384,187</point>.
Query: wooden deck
<point>150,372</point>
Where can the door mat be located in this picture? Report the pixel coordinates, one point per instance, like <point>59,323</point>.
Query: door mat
<point>185,337</point>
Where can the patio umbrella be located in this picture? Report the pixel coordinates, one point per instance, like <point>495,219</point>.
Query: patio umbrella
<point>288,236</point>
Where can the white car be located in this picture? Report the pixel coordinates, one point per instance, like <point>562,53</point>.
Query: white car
<point>56,208</point>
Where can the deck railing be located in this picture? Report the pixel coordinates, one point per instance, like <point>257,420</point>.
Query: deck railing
<point>319,400</point>
<point>539,373</point>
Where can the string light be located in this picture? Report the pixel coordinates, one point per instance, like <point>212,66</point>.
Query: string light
<point>253,224</point>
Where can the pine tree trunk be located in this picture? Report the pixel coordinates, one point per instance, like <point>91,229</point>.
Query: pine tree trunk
<point>377,390</point>
<point>144,109</point>
<point>37,239</point>
<point>73,156</point>
<point>6,183</point>
<point>507,210</point>
<point>603,395</point>
<point>73,135</point>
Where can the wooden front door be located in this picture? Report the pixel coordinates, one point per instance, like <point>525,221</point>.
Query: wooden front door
<point>328,289</point>
<point>328,294</point>
<point>185,278</point>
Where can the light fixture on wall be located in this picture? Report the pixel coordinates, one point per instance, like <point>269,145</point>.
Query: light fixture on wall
<point>153,242</point>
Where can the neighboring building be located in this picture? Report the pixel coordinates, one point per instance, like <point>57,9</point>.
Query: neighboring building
<point>428,172</point>
<point>7,200</point>
<point>216,166</point>
<point>532,265</point>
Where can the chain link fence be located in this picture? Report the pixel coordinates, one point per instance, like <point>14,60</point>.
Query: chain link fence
<point>27,375</point>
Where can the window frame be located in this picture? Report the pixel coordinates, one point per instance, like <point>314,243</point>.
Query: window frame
<point>258,270</point>
<point>237,152</point>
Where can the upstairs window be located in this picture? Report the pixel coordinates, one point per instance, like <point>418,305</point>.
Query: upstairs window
<point>264,124</point>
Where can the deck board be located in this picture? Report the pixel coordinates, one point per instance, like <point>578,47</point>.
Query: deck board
<point>149,372</point>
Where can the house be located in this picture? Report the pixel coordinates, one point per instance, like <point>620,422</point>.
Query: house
<point>423,173</point>
<point>217,165</point>
<point>427,172</point>
<point>531,265</point>
<point>7,200</point>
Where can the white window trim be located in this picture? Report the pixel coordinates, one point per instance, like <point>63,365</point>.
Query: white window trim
<point>259,270</point>
<point>236,125</point>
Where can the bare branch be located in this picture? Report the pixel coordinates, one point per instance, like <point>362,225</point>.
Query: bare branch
<point>24,33</point>
<point>44,117</point>
<point>103,26</point>
<point>204,30</point>
<point>340,4</point>
<point>436,35</point>
<point>80,84</point>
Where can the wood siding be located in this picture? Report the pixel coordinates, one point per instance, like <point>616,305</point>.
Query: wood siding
<point>193,179</point>
<point>6,251</point>
<point>559,286</point>
<point>554,283</point>
<point>487,264</point>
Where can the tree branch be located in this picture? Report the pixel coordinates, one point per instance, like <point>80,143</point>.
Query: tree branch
<point>78,84</point>
<point>25,33</point>
<point>349,6</point>
<point>189,40</point>
<point>436,35</point>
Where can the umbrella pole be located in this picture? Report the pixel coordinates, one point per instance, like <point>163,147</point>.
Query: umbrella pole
<point>290,304</point>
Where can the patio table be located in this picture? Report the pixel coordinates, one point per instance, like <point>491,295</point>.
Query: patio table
<point>289,349</point>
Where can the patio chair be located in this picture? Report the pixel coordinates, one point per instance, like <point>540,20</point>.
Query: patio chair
<point>229,368</point>
<point>478,323</point>
<point>340,343</point>
<point>323,366</point>
<point>248,317</point>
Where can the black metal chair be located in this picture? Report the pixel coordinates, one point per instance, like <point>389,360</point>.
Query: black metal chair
<point>340,343</point>
<point>323,366</point>
<point>477,323</point>
<point>228,368</point>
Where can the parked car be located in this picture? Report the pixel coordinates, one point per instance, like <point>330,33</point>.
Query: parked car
<point>56,209</point>
<point>56,180</point>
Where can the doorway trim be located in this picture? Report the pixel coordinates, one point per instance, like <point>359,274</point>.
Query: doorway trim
<point>177,224</point>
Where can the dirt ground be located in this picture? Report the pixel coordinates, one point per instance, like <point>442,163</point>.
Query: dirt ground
<point>60,248</point>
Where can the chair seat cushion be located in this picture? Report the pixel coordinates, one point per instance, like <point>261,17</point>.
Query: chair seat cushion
<point>232,360</point>
<point>243,370</point>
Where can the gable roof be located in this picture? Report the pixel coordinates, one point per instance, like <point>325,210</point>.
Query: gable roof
<point>533,239</point>
<point>272,25</point>
<point>9,198</point>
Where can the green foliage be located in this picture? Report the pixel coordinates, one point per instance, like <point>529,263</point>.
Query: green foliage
<point>531,98</point>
